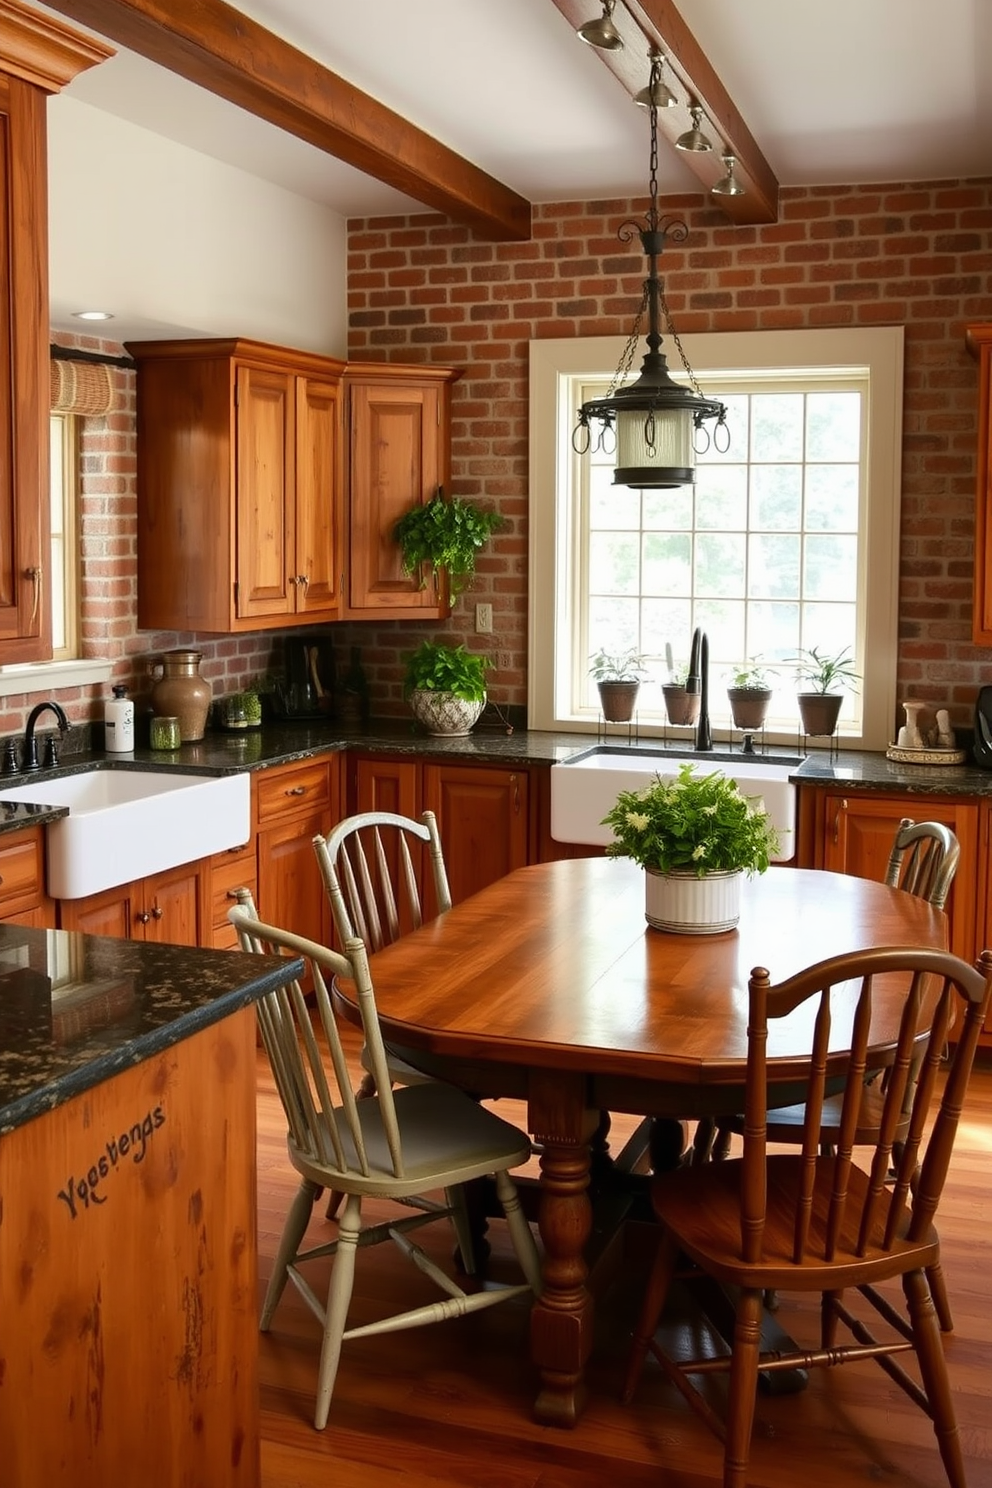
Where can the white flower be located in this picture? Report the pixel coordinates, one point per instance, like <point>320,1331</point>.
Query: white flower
<point>699,852</point>
<point>637,820</point>
<point>711,810</point>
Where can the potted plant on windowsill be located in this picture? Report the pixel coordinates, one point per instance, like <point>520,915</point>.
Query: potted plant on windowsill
<point>446,687</point>
<point>695,835</point>
<point>749,693</point>
<point>682,707</point>
<point>828,677</point>
<point>443,536</point>
<point>618,677</point>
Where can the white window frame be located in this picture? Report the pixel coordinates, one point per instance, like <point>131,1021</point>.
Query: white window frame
<point>556,367</point>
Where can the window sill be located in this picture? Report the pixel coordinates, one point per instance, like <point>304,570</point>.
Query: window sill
<point>49,676</point>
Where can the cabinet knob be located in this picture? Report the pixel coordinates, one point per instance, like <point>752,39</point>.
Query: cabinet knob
<point>156,913</point>
<point>142,918</point>
<point>296,790</point>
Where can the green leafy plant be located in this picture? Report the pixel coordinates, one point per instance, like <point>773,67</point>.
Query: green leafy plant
<point>445,533</point>
<point>692,823</point>
<point>751,675</point>
<point>624,666</point>
<point>434,667</point>
<point>827,673</point>
<point>679,674</point>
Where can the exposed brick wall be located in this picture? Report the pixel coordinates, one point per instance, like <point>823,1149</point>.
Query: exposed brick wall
<point>422,289</point>
<point>920,255</point>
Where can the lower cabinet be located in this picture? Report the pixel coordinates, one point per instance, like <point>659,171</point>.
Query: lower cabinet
<point>168,907</point>
<point>292,803</point>
<point>483,811</point>
<point>229,871</point>
<point>22,880</point>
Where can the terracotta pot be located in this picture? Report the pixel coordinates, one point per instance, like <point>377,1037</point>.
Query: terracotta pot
<point>819,711</point>
<point>682,707</point>
<point>749,706</point>
<point>617,700</point>
<point>689,905</point>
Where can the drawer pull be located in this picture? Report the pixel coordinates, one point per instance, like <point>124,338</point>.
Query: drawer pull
<point>296,790</point>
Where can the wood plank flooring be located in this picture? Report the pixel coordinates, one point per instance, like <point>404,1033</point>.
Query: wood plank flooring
<point>450,1405</point>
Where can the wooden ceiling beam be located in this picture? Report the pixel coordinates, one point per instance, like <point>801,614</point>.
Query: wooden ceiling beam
<point>691,76</point>
<point>220,49</point>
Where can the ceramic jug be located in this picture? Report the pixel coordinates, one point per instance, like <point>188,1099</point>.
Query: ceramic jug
<point>182,693</point>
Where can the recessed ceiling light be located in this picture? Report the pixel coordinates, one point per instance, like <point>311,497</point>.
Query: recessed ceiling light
<point>93,314</point>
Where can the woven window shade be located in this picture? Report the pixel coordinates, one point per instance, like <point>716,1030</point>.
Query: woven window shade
<point>81,387</point>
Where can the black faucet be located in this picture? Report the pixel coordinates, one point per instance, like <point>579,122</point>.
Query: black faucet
<point>30,759</point>
<point>698,681</point>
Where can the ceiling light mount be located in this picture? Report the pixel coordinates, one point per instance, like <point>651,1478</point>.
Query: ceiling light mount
<point>651,423</point>
<point>602,33</point>
<point>694,139</point>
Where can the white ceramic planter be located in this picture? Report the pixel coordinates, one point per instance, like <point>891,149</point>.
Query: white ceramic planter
<point>443,713</point>
<point>690,905</point>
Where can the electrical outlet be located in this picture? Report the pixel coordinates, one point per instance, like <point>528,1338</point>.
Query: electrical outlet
<point>484,619</point>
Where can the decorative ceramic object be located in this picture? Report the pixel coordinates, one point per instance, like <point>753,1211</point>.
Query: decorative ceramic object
<point>690,905</point>
<point>182,693</point>
<point>442,713</point>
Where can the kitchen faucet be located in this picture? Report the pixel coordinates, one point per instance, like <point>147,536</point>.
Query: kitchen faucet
<point>698,681</point>
<point>30,758</point>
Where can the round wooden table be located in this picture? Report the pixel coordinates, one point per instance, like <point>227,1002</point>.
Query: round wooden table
<point>548,986</point>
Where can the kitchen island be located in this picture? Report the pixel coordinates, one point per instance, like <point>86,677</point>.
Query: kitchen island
<point>128,1308</point>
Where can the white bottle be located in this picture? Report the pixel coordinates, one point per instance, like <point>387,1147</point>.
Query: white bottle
<point>118,723</point>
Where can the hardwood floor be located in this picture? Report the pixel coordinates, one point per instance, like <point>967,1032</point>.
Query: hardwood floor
<point>449,1405</point>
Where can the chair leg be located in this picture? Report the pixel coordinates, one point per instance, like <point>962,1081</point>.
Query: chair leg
<point>338,1302</point>
<point>941,1302</point>
<point>456,1202</point>
<point>933,1372</point>
<point>654,1300</point>
<point>292,1233</point>
<point>521,1234</point>
<point>743,1388</point>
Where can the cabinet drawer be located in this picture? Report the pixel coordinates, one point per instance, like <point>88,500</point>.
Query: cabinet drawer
<point>228,872</point>
<point>21,871</point>
<point>284,792</point>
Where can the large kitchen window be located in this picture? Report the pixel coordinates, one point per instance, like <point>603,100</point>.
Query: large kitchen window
<point>788,540</point>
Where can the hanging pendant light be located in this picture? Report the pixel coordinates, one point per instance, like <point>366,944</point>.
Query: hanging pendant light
<point>656,94</point>
<point>694,138</point>
<point>728,185</point>
<point>654,419</point>
<point>602,32</point>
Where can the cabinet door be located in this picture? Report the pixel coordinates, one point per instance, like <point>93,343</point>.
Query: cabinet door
<point>394,462</point>
<point>482,815</point>
<point>858,833</point>
<point>290,889</point>
<point>111,912</point>
<point>267,575</point>
<point>318,556</point>
<point>378,783</point>
<point>171,910</point>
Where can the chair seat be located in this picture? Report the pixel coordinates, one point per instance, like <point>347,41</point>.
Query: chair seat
<point>447,1138</point>
<point>786,1122</point>
<point>702,1208</point>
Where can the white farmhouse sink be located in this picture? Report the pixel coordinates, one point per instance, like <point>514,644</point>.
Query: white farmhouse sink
<point>583,789</point>
<point>127,824</point>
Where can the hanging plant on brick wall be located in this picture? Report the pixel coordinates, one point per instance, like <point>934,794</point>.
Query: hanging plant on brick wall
<point>445,534</point>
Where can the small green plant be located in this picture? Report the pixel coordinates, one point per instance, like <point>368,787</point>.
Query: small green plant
<point>445,533</point>
<point>696,823</point>
<point>624,666</point>
<point>751,675</point>
<point>679,674</point>
<point>434,667</point>
<point>827,673</point>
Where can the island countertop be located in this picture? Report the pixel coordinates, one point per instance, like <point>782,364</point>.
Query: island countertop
<point>76,1010</point>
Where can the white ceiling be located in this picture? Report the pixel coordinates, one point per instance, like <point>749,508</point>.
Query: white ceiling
<point>843,92</point>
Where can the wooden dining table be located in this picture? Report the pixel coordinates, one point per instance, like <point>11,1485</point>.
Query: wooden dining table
<point>549,987</point>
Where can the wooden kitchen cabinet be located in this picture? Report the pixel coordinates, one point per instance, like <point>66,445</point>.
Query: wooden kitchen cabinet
<point>168,908</point>
<point>483,811</point>
<point>22,880</point>
<point>979,339</point>
<point>239,486</point>
<point>292,803</point>
<point>38,56</point>
<point>230,871</point>
<point>853,833</point>
<point>398,421</point>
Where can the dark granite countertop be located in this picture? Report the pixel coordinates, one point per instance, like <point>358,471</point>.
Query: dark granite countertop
<point>77,1009</point>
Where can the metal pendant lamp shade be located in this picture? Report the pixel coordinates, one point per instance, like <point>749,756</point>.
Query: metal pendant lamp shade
<point>694,139</point>
<point>728,185</point>
<point>657,94</point>
<point>602,33</point>
<point>650,424</point>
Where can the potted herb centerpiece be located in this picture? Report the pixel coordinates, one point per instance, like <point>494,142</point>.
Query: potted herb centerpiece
<point>618,677</point>
<point>749,694</point>
<point>695,835</point>
<point>828,677</point>
<point>445,686</point>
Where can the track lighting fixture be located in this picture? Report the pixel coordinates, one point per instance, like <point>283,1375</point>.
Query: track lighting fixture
<point>658,94</point>
<point>694,138</point>
<point>602,32</point>
<point>728,185</point>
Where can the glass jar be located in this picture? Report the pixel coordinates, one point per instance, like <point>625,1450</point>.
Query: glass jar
<point>182,693</point>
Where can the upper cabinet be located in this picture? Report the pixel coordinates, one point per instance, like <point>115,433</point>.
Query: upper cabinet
<point>980,342</point>
<point>238,486</point>
<point>38,56</point>
<point>399,439</point>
